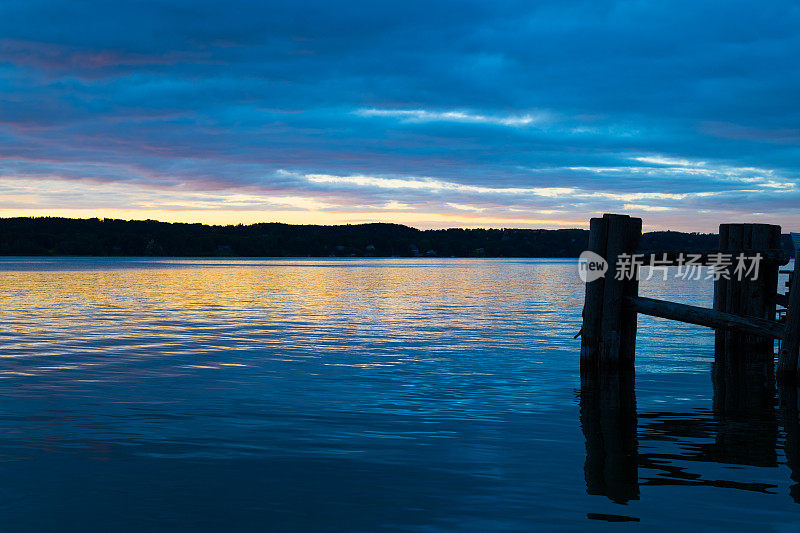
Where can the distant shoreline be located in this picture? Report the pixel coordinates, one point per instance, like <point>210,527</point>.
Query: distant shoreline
<point>251,258</point>
<point>66,237</point>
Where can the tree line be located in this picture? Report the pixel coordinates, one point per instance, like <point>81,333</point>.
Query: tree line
<point>109,237</point>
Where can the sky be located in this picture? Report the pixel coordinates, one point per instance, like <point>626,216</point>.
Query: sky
<point>494,113</point>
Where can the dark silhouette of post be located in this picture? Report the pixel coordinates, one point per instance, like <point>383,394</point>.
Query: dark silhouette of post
<point>744,409</point>
<point>609,328</point>
<point>750,295</point>
<point>608,420</point>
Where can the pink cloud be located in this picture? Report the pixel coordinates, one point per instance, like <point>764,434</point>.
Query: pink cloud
<point>60,58</point>
<point>727,130</point>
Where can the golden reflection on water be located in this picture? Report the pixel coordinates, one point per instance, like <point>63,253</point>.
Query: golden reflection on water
<point>206,310</point>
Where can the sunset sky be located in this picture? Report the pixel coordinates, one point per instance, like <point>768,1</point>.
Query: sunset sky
<point>432,114</point>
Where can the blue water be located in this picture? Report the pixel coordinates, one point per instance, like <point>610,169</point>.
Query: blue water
<point>355,395</point>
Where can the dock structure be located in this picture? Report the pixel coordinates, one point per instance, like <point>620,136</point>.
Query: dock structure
<point>746,300</point>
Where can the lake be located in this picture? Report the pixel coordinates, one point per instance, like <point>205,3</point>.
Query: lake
<point>357,395</point>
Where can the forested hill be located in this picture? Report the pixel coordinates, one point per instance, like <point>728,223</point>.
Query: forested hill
<point>102,237</point>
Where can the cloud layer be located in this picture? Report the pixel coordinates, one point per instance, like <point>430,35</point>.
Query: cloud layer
<point>452,113</point>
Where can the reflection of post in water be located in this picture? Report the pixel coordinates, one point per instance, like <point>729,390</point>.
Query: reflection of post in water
<point>744,406</point>
<point>744,431</point>
<point>608,418</point>
<point>791,425</point>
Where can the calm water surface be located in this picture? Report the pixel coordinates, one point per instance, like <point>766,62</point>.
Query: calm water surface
<point>357,395</point>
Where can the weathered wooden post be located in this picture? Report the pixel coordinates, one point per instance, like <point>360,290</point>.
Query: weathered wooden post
<point>609,328</point>
<point>746,294</point>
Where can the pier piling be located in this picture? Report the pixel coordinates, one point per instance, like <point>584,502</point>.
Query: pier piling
<point>609,330</point>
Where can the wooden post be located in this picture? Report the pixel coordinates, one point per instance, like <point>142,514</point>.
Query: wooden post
<point>593,302</point>
<point>609,329</point>
<point>739,352</point>
<point>787,362</point>
<point>622,239</point>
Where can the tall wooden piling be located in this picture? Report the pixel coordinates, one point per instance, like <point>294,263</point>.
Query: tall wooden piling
<point>609,329</point>
<point>740,291</point>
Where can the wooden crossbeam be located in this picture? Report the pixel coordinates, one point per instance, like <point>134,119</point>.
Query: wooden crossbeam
<point>705,317</point>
